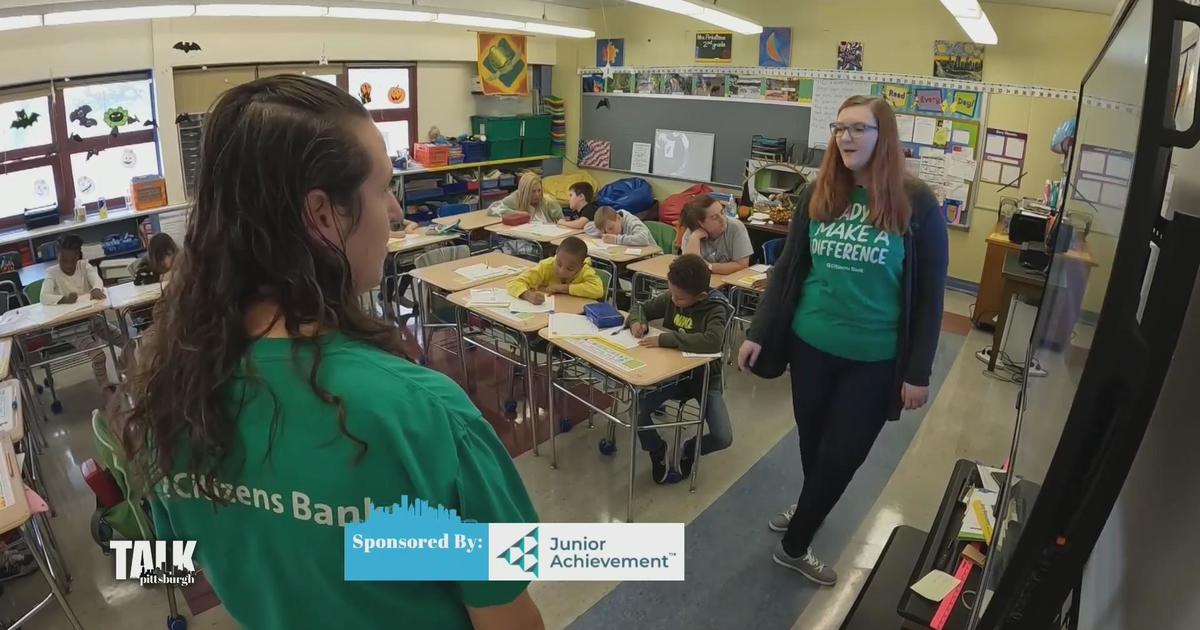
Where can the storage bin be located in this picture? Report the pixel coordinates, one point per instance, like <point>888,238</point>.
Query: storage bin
<point>431,154</point>
<point>497,128</point>
<point>454,188</point>
<point>536,127</point>
<point>413,196</point>
<point>504,149</point>
<point>475,151</point>
<point>532,147</point>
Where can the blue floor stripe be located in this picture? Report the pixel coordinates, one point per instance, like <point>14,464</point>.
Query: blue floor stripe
<point>731,581</point>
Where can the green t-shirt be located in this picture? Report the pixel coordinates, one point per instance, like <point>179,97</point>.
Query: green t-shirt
<point>275,554</point>
<point>850,305</point>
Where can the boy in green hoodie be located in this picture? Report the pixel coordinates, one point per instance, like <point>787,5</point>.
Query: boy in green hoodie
<point>694,319</point>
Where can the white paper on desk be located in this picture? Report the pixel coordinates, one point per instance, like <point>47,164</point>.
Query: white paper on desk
<point>702,355</point>
<point>545,229</point>
<point>936,585</point>
<point>923,129</point>
<point>989,481</point>
<point>634,251</point>
<point>569,325</point>
<point>489,297</point>
<point>624,338</point>
<point>521,306</point>
<point>482,270</point>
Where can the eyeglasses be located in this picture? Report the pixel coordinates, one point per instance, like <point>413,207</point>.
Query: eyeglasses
<point>853,131</point>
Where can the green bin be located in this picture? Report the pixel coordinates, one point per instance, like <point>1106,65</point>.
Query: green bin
<point>497,128</point>
<point>504,149</point>
<point>533,146</point>
<point>537,127</point>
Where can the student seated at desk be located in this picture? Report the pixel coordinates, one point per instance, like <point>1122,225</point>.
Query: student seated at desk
<point>725,245</point>
<point>619,227</point>
<point>569,272</point>
<point>580,205</point>
<point>528,197</point>
<point>694,318</point>
<point>74,279</point>
<point>155,265</point>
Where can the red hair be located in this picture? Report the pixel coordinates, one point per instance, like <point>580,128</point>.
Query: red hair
<point>890,209</point>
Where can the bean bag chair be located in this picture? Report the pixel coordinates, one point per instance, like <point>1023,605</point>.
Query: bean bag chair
<point>669,210</point>
<point>632,194</point>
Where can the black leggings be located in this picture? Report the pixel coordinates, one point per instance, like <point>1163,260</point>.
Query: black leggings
<point>840,406</point>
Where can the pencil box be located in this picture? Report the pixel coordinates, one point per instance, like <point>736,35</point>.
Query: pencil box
<point>516,218</point>
<point>603,315</point>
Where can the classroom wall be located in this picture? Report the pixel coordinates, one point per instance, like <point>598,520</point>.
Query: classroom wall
<point>897,37</point>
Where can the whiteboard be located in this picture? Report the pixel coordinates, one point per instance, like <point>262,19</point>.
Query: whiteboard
<point>684,154</point>
<point>828,96</point>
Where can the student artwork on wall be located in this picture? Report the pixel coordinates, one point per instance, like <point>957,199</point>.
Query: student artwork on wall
<point>595,153</point>
<point>622,82</point>
<point>709,85</point>
<point>775,47</point>
<point>675,83</point>
<point>714,47</point>
<point>745,87</point>
<point>503,69</point>
<point>850,56</point>
<point>593,83</point>
<point>610,52</point>
<point>958,60</point>
<point>1003,157</point>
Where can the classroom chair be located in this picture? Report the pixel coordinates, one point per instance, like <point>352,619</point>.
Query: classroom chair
<point>607,278</point>
<point>529,250</point>
<point>441,314</point>
<point>45,345</point>
<point>9,295</point>
<point>47,251</point>
<point>664,235</point>
<point>771,250</point>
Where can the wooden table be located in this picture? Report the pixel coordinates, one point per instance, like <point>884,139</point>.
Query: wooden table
<point>522,232</point>
<point>773,228</point>
<point>417,241</point>
<point>443,278</point>
<point>30,274</point>
<point>1016,281</point>
<point>38,316</point>
<point>469,221</point>
<point>989,299</point>
<point>522,328</point>
<point>746,278</point>
<point>618,254</point>
<point>662,367</point>
<point>656,269</point>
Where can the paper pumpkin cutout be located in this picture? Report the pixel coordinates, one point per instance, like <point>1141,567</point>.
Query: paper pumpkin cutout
<point>396,94</point>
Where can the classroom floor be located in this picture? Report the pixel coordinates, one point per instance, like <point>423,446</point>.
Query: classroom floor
<point>970,416</point>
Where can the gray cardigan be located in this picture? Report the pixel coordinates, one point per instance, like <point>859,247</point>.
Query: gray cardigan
<point>634,233</point>
<point>924,280</point>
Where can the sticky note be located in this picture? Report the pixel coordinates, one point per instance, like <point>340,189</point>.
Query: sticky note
<point>935,586</point>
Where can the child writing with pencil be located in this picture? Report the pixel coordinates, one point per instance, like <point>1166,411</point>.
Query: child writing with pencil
<point>569,272</point>
<point>694,320</point>
<point>618,227</point>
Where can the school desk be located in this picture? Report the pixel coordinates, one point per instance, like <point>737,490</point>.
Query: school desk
<point>127,298</point>
<point>443,279</point>
<point>613,258</point>
<point>469,221</point>
<point>652,369</point>
<point>522,233</point>
<point>654,271</point>
<point>414,242</point>
<point>519,327</point>
<point>35,528</point>
<point>744,296</point>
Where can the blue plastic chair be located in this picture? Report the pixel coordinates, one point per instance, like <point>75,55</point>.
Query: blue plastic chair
<point>771,250</point>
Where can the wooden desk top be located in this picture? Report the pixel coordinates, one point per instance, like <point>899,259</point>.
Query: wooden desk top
<point>500,314</point>
<point>445,275</point>
<point>37,316</point>
<point>657,268</point>
<point>519,232</point>
<point>745,278</point>
<point>661,363</point>
<point>619,254</point>
<point>773,228</point>
<point>469,221</point>
<point>127,295</point>
<point>12,423</point>
<point>5,356</point>
<point>12,514</point>
<point>417,241</point>
<point>1082,255</point>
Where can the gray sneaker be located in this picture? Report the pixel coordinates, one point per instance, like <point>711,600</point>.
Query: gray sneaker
<point>807,565</point>
<point>780,522</point>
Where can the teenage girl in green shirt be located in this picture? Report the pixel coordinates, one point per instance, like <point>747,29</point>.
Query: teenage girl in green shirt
<point>271,409</point>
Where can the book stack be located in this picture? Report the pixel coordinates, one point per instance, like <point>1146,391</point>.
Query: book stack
<point>768,149</point>
<point>554,106</point>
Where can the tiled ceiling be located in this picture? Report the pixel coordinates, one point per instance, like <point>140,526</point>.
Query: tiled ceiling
<point>1091,6</point>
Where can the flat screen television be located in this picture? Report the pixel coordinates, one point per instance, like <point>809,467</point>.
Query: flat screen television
<point>1089,390</point>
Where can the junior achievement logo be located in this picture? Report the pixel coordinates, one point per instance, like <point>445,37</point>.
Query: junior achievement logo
<point>524,553</point>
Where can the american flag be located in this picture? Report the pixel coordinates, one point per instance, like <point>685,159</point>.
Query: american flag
<point>597,153</point>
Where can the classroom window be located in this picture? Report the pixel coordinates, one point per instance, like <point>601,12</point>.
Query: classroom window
<point>395,135</point>
<point>388,93</point>
<point>28,188</point>
<point>107,174</point>
<point>93,111</point>
<point>25,123</point>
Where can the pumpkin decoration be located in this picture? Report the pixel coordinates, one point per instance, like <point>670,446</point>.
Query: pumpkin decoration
<point>396,94</point>
<point>744,212</point>
<point>781,215</point>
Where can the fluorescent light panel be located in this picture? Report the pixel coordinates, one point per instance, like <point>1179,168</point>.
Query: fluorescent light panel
<point>480,21</point>
<point>705,14</point>
<point>260,10</point>
<point>122,13</point>
<point>20,21</point>
<point>963,8</point>
<point>357,13</point>
<point>979,30</point>
<point>555,29</point>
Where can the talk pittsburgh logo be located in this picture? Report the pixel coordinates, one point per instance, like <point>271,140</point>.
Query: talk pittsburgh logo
<point>416,541</point>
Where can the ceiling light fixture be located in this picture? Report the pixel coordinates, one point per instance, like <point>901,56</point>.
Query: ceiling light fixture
<point>963,8</point>
<point>705,14</point>
<point>479,21</point>
<point>260,10</point>
<point>358,13</point>
<point>122,13</point>
<point>20,21</point>
<point>979,29</point>
<point>555,29</point>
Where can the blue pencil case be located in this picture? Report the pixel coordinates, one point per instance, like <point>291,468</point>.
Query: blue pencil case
<point>603,315</point>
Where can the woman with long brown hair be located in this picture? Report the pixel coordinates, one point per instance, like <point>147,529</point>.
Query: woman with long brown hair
<point>854,306</point>
<point>271,409</point>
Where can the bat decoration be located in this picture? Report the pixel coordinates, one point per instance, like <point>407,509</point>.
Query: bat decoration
<point>182,118</point>
<point>132,119</point>
<point>603,103</point>
<point>150,123</point>
<point>187,47</point>
<point>114,132</point>
<point>76,137</point>
<point>25,120</point>
<point>91,154</point>
<point>80,115</point>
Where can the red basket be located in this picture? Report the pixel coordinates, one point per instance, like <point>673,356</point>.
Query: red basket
<point>431,154</point>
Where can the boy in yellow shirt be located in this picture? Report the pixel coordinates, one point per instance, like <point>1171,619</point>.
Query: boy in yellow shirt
<point>569,272</point>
